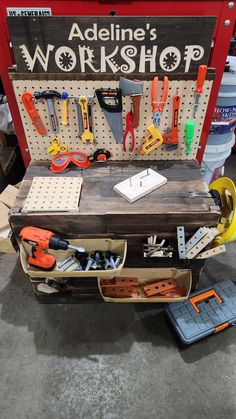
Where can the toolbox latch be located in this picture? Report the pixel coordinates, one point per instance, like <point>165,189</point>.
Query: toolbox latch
<point>221,327</point>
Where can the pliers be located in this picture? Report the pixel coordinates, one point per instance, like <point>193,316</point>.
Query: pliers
<point>129,129</point>
<point>158,107</point>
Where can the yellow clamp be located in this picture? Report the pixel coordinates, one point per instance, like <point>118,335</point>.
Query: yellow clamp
<point>57,147</point>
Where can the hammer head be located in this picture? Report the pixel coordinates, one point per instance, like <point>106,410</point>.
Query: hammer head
<point>47,94</point>
<point>131,87</point>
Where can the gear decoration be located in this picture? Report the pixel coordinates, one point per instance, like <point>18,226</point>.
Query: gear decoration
<point>88,50</point>
<point>170,58</point>
<point>65,58</point>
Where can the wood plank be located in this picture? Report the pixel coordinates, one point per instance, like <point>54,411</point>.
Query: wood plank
<point>184,200</point>
<point>184,191</point>
<point>13,75</point>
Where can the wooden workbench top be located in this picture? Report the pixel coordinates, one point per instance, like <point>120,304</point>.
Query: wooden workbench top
<point>183,200</point>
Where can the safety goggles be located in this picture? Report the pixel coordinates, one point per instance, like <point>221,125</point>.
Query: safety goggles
<point>62,161</point>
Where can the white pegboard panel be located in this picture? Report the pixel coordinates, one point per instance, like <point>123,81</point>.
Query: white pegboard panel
<point>53,194</point>
<point>104,138</point>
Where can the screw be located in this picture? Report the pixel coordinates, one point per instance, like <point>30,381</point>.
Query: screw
<point>141,183</point>
<point>98,257</point>
<point>117,260</point>
<point>112,262</point>
<point>130,182</point>
<point>107,264</point>
<point>231,4</point>
<point>227,22</point>
<point>90,262</point>
<point>78,267</point>
<point>64,262</point>
<point>67,266</point>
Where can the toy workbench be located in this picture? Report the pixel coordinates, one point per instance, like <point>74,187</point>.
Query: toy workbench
<point>113,111</point>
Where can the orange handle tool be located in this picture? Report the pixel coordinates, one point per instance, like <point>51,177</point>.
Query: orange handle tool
<point>165,93</point>
<point>27,99</point>
<point>201,76</point>
<point>159,106</point>
<point>172,136</point>
<point>154,94</point>
<point>204,296</point>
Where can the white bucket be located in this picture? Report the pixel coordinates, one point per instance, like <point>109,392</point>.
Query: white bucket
<point>225,110</point>
<point>214,159</point>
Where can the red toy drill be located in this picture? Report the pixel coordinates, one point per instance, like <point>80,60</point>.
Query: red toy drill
<point>42,240</point>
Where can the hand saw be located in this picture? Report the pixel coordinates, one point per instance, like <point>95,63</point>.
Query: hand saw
<point>110,101</point>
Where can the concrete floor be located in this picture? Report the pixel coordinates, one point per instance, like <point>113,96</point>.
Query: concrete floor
<point>109,361</point>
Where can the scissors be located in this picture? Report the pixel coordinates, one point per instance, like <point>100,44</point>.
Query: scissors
<point>56,148</point>
<point>129,130</point>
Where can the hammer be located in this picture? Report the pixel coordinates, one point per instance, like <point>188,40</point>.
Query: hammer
<point>133,88</point>
<point>49,95</point>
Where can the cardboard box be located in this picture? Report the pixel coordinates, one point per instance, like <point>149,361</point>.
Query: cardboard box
<point>8,196</point>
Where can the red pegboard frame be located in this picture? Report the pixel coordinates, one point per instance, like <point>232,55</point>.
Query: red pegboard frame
<point>222,38</point>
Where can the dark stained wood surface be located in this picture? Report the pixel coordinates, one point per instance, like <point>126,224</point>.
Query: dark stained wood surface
<point>158,32</point>
<point>13,75</point>
<point>184,200</point>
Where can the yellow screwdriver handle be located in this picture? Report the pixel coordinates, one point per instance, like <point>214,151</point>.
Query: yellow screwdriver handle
<point>64,120</point>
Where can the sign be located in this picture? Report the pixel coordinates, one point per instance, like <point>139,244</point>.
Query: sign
<point>28,11</point>
<point>111,45</point>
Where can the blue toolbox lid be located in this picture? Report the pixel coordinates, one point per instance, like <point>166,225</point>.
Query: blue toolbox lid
<point>205,312</point>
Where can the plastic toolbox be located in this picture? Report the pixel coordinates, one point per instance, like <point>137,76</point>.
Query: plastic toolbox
<point>205,312</point>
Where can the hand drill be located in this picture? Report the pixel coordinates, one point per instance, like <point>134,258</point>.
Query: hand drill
<point>41,240</point>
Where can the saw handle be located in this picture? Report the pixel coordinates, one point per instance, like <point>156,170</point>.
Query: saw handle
<point>112,95</point>
<point>201,76</point>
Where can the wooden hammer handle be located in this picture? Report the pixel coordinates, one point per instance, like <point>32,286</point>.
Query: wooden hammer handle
<point>136,110</point>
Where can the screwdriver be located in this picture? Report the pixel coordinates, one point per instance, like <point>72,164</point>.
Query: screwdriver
<point>201,76</point>
<point>189,134</point>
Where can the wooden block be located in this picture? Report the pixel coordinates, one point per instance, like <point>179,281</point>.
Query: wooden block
<point>4,223</point>
<point>126,281</point>
<point>158,287</point>
<point>8,196</point>
<point>140,185</point>
<point>121,292</point>
<point>119,282</point>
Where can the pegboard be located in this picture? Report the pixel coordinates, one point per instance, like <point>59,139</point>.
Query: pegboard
<point>53,194</point>
<point>68,134</point>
